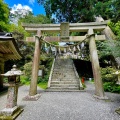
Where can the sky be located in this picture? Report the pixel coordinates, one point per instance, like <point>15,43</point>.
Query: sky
<point>31,5</point>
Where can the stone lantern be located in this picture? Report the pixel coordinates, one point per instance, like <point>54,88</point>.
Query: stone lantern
<point>11,111</point>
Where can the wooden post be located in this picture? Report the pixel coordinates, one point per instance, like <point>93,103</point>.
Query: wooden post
<point>35,67</point>
<point>1,72</point>
<point>99,92</point>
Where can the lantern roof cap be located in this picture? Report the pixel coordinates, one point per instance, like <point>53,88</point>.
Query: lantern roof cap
<point>13,72</point>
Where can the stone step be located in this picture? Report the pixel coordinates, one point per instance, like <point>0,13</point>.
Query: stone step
<point>64,79</point>
<point>64,74</point>
<point>63,62</point>
<point>66,70</point>
<point>66,88</point>
<point>63,90</point>
<point>64,66</point>
<point>64,82</point>
<point>64,85</point>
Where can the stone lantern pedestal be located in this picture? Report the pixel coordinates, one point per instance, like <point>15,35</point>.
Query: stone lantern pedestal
<point>12,110</point>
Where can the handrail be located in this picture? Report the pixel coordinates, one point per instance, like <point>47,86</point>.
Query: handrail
<point>50,77</point>
<point>76,73</point>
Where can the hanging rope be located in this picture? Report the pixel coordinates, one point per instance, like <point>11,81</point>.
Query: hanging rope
<point>75,49</point>
<point>58,46</point>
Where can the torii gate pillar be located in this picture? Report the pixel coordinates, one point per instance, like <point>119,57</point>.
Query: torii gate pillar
<point>99,92</point>
<point>35,67</point>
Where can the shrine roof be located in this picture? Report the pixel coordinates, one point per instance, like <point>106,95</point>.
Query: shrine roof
<point>8,48</point>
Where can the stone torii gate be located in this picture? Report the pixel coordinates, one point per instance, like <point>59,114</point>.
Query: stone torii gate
<point>64,29</point>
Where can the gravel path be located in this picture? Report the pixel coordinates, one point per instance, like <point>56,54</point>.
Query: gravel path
<point>66,105</point>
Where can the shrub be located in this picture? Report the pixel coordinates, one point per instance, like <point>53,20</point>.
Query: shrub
<point>108,74</point>
<point>109,80</point>
<point>28,69</point>
<point>111,87</point>
<point>43,85</point>
<point>46,66</point>
<point>24,79</point>
<point>44,79</point>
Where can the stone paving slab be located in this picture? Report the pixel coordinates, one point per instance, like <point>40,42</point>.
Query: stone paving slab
<point>67,105</point>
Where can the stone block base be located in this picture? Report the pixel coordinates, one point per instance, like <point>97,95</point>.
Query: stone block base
<point>101,98</point>
<point>10,113</point>
<point>32,98</point>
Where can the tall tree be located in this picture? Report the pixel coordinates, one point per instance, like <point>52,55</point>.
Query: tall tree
<point>4,15</point>
<point>108,9</point>
<point>81,10</point>
<point>70,10</point>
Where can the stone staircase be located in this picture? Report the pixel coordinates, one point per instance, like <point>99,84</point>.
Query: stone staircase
<point>64,76</point>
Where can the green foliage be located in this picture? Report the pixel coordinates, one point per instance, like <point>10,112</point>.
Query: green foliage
<point>24,80</point>
<point>83,85</point>
<point>69,10</point>
<point>27,51</point>
<point>114,47</point>
<point>104,8</point>
<point>108,48</point>
<point>111,87</point>
<point>4,11</point>
<point>47,62</point>
<point>3,26</point>
<point>109,80</point>
<point>4,16</point>
<point>18,32</point>
<point>43,85</point>
<point>28,69</point>
<point>108,74</point>
<point>115,28</point>
<point>81,10</point>
<point>35,19</point>
<point>103,48</point>
<point>5,79</point>
<point>44,79</point>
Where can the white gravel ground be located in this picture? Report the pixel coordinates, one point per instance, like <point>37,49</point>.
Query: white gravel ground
<point>66,105</point>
